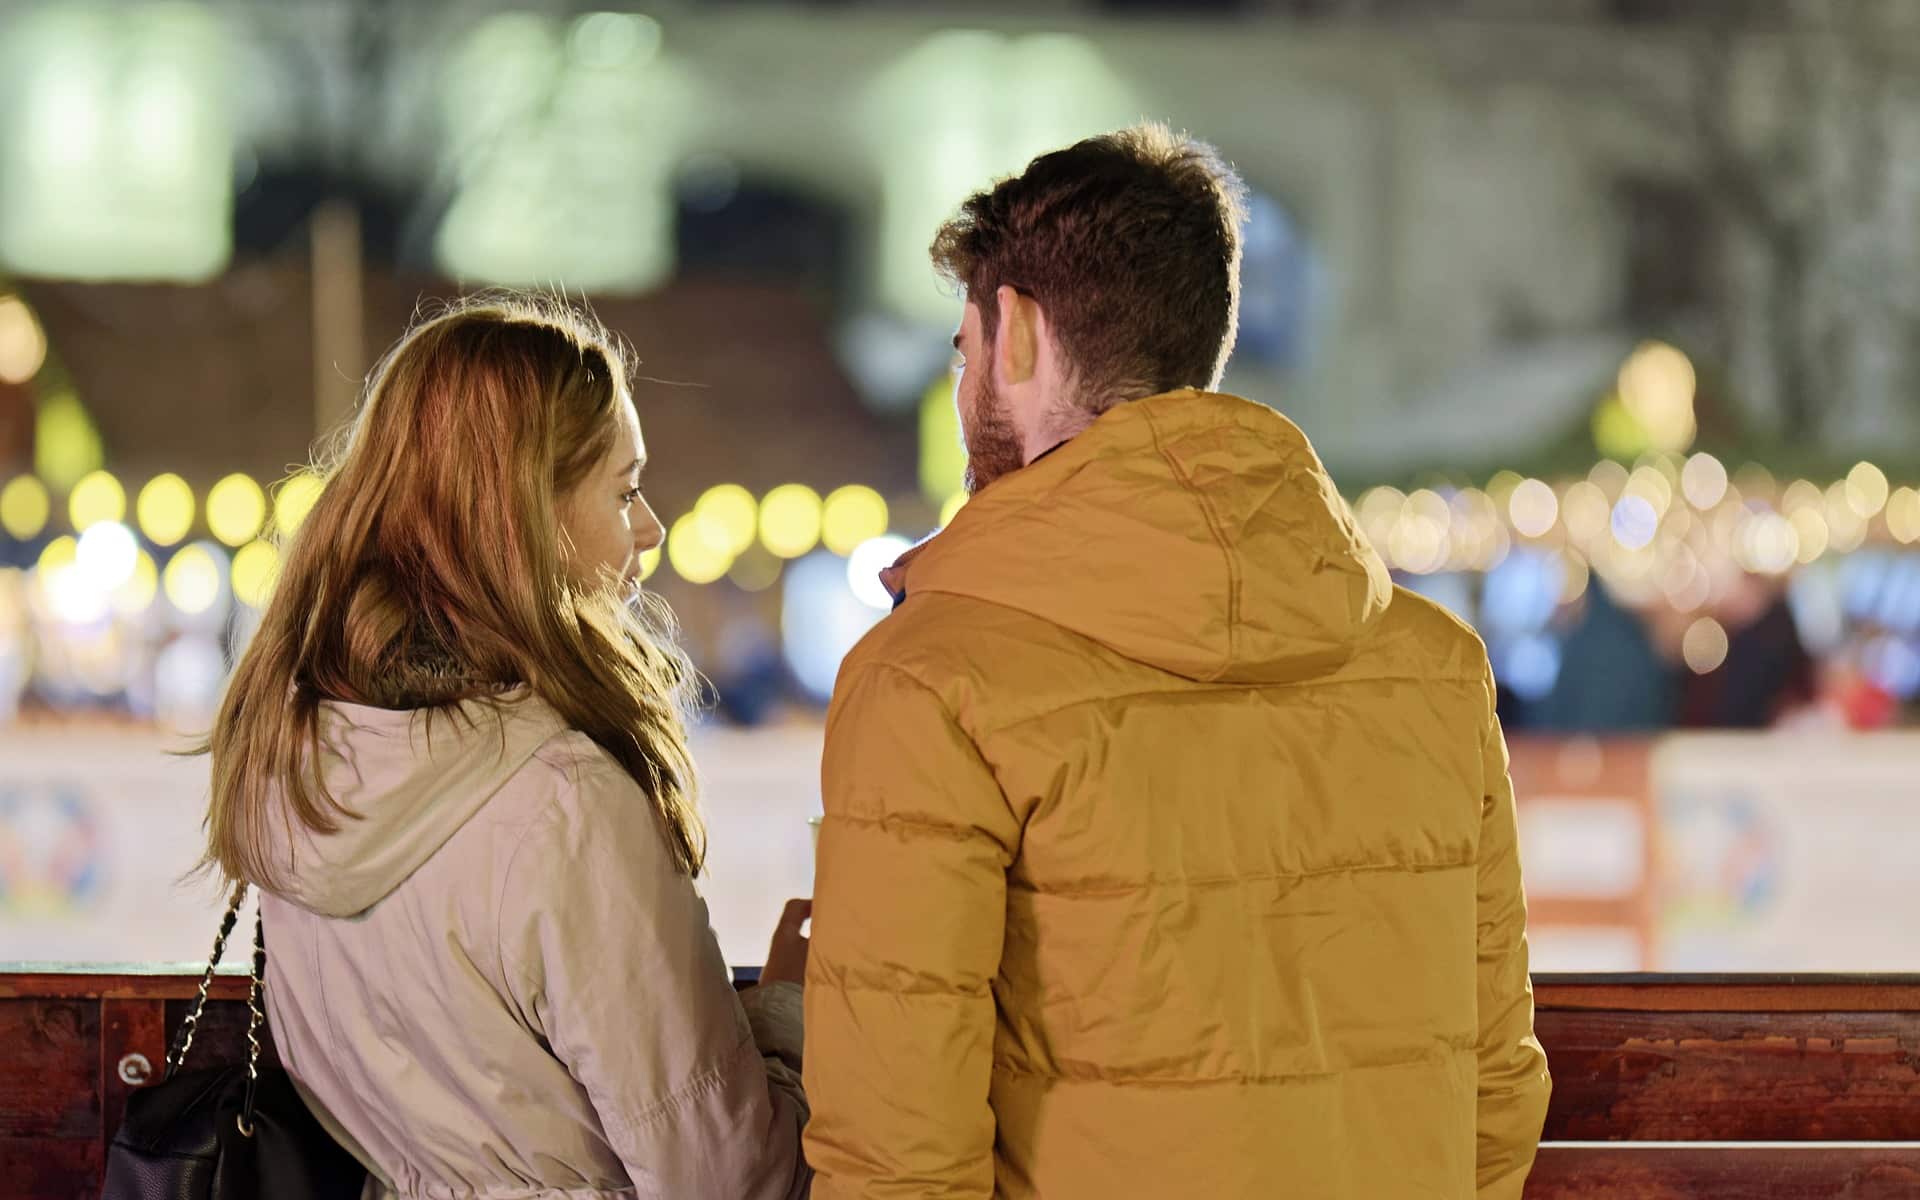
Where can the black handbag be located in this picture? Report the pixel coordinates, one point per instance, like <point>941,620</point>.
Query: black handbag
<point>227,1133</point>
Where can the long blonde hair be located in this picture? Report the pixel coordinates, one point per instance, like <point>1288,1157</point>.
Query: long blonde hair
<point>430,573</point>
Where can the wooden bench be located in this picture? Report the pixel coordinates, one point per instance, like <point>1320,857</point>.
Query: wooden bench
<point>1665,1086</point>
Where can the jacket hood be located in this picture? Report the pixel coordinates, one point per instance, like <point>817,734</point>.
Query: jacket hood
<point>1194,532</point>
<point>414,777</point>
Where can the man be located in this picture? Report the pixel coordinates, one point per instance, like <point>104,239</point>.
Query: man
<point>1169,850</point>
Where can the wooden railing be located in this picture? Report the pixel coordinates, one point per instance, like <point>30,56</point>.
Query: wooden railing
<point>1664,1086</point>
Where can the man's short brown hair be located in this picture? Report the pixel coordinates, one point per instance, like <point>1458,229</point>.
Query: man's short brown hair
<point>1129,241</point>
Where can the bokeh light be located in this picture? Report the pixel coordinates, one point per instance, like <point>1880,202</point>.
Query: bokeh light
<point>23,344</point>
<point>165,509</point>
<point>1846,527</point>
<point>650,562</point>
<point>1810,527</point>
<point>66,446</point>
<point>106,553</point>
<point>866,562</point>
<point>850,516</point>
<point>1656,386</point>
<point>192,579</point>
<point>790,520</point>
<point>1903,515</point>
<point>1704,646</point>
<point>1704,481</point>
<point>236,509</point>
<point>136,593</point>
<point>699,549</point>
<point>1586,510</point>
<point>1766,543</point>
<point>97,497</point>
<point>731,510</point>
<point>951,508</point>
<point>1533,508</point>
<point>820,620</point>
<point>1634,522</point>
<point>756,570</point>
<point>1866,489</point>
<point>1802,494</point>
<point>295,500</point>
<point>256,568</point>
<point>24,507</point>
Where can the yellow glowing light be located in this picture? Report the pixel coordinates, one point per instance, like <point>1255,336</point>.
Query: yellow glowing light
<point>24,507</point>
<point>1586,510</point>
<point>58,554</point>
<point>1610,477</point>
<point>256,567</point>
<point>1378,512</point>
<point>1534,508</point>
<point>1811,528</point>
<point>1903,516</point>
<point>1704,480</point>
<point>1419,541</point>
<point>295,500</point>
<point>165,509</point>
<point>236,508</point>
<point>1617,433</point>
<point>1657,384</point>
<point>699,549</point>
<point>1429,504</point>
<point>1704,645</point>
<point>65,444</point>
<point>1846,528</point>
<point>951,508</point>
<point>1801,494</point>
<point>756,570</point>
<point>732,510</point>
<point>1867,489</point>
<point>943,456</point>
<point>135,595</point>
<point>96,498</point>
<point>852,514</point>
<point>1767,543</point>
<point>192,579</point>
<point>1652,486</point>
<point>650,562</point>
<point>1502,486</point>
<point>790,520</point>
<point>23,346</point>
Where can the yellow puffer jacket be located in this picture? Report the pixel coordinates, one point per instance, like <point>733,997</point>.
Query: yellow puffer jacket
<point>1169,851</point>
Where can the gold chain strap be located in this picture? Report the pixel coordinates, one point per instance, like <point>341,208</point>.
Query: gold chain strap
<point>185,1040</point>
<point>255,983</point>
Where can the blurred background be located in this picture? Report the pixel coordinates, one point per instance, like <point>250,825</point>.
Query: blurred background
<point>1603,312</point>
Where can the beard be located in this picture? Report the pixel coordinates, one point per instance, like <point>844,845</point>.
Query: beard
<point>994,446</point>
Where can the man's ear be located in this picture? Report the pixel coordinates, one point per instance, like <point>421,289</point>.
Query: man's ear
<point>1017,344</point>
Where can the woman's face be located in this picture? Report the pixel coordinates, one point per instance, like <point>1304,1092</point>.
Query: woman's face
<point>605,524</point>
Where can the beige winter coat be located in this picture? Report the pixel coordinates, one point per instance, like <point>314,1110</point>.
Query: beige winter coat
<point>495,984</point>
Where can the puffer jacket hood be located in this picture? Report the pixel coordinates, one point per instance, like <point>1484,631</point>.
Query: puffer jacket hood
<point>1232,559</point>
<point>412,779</point>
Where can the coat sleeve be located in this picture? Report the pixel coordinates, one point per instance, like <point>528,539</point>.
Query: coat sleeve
<point>1514,1083</point>
<point>909,914</point>
<point>609,956</point>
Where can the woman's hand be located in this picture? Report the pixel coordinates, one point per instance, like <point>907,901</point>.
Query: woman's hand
<point>787,957</point>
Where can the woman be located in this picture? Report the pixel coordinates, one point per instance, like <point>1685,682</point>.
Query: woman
<point>454,761</point>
